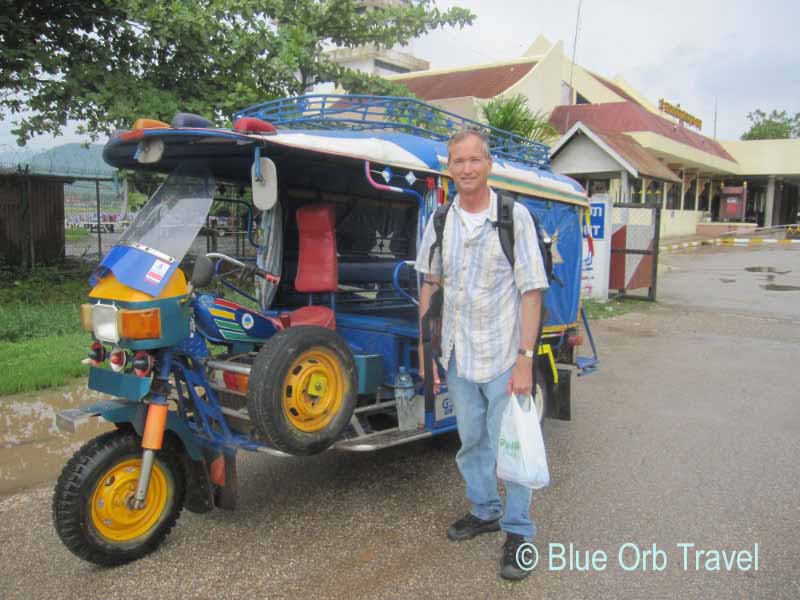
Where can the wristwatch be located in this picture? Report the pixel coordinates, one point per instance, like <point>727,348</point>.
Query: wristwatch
<point>527,353</point>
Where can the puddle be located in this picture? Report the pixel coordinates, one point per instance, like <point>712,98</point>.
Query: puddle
<point>32,449</point>
<point>774,287</point>
<point>766,270</point>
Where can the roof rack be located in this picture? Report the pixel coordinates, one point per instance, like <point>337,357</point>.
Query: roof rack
<point>359,112</point>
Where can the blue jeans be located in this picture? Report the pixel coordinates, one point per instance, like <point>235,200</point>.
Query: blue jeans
<point>479,409</point>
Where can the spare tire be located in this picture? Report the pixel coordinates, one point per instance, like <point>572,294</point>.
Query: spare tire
<point>302,389</point>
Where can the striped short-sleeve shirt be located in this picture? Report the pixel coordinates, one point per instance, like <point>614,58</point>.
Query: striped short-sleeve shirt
<point>480,319</point>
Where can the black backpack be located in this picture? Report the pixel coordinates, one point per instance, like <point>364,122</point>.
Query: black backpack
<point>505,229</point>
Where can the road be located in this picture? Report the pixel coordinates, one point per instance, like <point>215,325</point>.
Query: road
<point>687,435</point>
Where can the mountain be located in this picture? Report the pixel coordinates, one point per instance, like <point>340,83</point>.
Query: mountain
<point>67,159</point>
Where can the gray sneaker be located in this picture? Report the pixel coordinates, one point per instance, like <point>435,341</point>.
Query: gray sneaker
<point>469,526</point>
<point>510,568</point>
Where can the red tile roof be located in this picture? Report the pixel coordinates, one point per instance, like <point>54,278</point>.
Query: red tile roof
<point>622,117</point>
<point>616,89</point>
<point>484,82</point>
<point>644,162</point>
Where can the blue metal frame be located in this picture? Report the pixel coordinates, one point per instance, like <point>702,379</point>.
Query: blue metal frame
<point>210,427</point>
<point>249,208</point>
<point>587,364</point>
<point>359,112</point>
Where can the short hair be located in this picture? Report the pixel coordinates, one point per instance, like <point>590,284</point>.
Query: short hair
<point>464,133</point>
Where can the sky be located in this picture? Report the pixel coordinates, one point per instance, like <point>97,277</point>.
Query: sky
<point>745,53</point>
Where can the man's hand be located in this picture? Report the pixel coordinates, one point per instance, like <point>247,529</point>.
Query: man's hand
<point>436,380</point>
<point>521,381</point>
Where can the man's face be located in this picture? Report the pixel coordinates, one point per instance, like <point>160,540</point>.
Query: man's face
<point>469,166</point>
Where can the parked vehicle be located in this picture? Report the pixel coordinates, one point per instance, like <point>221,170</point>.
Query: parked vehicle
<point>324,354</point>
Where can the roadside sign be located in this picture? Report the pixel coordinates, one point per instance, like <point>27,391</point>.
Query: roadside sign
<point>597,218</point>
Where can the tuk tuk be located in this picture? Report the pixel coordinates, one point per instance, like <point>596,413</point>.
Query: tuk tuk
<point>322,353</point>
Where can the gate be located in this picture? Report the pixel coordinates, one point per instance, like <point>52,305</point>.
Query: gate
<point>95,215</point>
<point>634,248</point>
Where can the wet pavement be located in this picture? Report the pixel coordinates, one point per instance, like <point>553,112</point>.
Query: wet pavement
<point>32,449</point>
<point>763,281</point>
<point>687,435</point>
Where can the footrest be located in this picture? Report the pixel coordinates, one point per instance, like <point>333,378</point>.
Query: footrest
<point>71,419</point>
<point>382,439</point>
<point>586,365</point>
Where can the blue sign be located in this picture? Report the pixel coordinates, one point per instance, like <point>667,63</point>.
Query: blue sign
<point>597,219</point>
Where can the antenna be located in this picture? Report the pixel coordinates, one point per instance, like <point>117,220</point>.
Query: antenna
<point>715,118</point>
<point>574,48</point>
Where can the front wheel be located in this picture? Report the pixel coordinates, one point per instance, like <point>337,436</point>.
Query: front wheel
<point>91,503</point>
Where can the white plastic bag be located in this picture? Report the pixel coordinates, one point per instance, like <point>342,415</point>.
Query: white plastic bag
<point>520,448</point>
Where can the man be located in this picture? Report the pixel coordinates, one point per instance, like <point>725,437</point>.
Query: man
<point>490,321</point>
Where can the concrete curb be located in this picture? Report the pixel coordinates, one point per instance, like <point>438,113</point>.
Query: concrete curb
<point>726,242</point>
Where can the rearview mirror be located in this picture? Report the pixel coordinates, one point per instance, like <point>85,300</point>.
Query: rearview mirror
<point>265,183</point>
<point>203,271</point>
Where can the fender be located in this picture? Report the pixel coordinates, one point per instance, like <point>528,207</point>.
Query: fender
<point>199,491</point>
<point>120,412</point>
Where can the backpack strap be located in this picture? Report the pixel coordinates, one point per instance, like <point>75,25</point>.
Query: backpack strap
<point>505,225</point>
<point>439,219</point>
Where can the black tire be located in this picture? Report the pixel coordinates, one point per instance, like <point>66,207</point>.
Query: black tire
<point>87,479</point>
<point>273,402</point>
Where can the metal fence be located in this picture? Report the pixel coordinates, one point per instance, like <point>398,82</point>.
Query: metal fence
<point>95,215</point>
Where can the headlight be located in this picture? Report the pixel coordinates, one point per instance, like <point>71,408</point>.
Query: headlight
<point>110,324</point>
<point>104,323</point>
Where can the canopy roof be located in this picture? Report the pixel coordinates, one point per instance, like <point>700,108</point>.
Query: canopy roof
<point>230,155</point>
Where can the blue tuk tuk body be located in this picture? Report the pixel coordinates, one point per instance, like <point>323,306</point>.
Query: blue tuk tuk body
<point>335,314</point>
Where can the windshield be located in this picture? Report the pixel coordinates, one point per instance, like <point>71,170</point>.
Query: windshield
<point>174,215</point>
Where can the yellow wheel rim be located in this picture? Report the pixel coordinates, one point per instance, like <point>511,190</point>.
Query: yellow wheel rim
<point>111,513</point>
<point>313,390</point>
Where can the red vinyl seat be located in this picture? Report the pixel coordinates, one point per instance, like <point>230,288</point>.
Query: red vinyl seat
<point>321,316</point>
<point>317,265</point>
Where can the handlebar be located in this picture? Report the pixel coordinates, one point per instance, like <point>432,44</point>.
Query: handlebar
<point>247,269</point>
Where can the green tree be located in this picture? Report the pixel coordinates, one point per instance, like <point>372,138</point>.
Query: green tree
<point>774,126</point>
<point>513,114</point>
<point>104,63</point>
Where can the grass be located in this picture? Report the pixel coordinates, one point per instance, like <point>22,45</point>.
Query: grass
<point>76,234</point>
<point>613,308</point>
<point>41,342</point>
<point>42,362</point>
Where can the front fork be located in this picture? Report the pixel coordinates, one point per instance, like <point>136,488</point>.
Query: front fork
<point>154,428</point>
<point>221,466</point>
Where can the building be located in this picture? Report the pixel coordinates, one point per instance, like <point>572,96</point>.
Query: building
<point>372,60</point>
<point>617,142</point>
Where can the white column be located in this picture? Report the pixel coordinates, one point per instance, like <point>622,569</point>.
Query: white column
<point>624,189</point>
<point>770,205</point>
<point>696,191</point>
<point>683,187</point>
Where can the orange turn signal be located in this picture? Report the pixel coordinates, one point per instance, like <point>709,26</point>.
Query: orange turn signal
<point>150,124</point>
<point>140,324</point>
